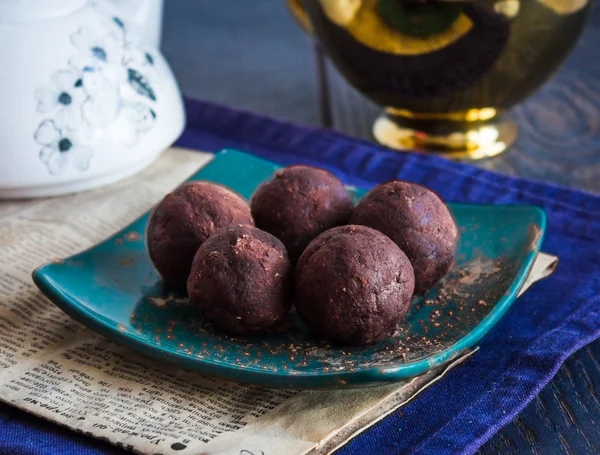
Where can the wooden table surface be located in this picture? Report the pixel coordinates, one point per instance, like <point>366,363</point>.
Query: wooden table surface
<point>250,54</point>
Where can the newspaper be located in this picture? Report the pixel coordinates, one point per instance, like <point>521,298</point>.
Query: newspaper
<point>57,369</point>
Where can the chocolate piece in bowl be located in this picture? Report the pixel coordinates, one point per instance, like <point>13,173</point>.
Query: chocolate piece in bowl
<point>298,204</point>
<point>241,280</point>
<point>184,219</point>
<point>418,221</point>
<point>353,285</point>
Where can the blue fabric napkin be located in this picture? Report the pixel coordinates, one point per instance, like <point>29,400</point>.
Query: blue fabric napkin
<point>519,356</point>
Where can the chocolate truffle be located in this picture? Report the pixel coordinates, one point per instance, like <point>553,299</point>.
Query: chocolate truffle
<point>298,204</point>
<point>353,285</point>
<point>184,219</point>
<point>241,280</point>
<point>418,221</point>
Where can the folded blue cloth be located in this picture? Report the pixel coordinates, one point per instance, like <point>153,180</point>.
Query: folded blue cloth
<point>516,359</point>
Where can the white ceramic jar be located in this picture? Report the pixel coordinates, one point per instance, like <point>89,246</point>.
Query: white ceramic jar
<point>87,97</point>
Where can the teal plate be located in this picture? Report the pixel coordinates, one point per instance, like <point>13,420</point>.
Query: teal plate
<point>113,289</point>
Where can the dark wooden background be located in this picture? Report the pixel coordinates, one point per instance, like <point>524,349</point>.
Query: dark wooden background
<point>250,54</point>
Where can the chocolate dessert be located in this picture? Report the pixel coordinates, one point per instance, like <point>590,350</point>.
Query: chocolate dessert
<point>184,219</point>
<point>353,285</point>
<point>298,204</point>
<point>241,280</point>
<point>418,221</point>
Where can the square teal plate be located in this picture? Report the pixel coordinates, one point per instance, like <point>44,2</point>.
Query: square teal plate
<point>113,289</point>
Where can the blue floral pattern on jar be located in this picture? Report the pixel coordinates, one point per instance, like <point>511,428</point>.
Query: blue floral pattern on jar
<point>61,149</point>
<point>107,89</point>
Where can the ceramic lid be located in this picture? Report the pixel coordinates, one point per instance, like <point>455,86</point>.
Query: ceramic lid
<point>35,10</point>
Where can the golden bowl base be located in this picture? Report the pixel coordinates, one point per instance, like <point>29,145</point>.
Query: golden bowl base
<point>459,140</point>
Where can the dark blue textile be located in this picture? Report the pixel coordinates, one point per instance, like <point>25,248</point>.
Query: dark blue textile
<point>516,359</point>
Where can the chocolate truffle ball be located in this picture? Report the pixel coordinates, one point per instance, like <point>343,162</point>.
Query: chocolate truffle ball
<point>298,204</point>
<point>418,221</point>
<point>184,219</point>
<point>241,280</point>
<point>353,285</point>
